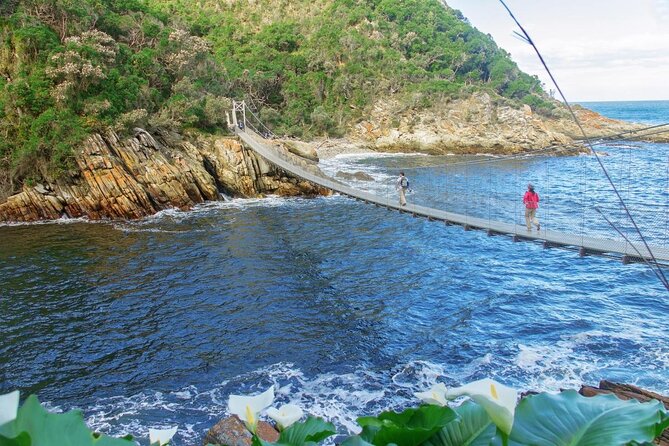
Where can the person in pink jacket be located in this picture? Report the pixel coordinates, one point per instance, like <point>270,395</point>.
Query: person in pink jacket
<point>531,200</point>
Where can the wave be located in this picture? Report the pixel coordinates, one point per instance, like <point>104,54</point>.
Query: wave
<point>343,397</point>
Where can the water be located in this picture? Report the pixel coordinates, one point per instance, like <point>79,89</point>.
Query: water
<point>346,308</point>
<point>647,112</point>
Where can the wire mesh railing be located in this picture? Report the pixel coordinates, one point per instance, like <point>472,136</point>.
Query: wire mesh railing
<point>576,205</point>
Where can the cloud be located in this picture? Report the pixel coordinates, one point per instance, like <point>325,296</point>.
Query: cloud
<point>642,50</point>
<point>662,10</point>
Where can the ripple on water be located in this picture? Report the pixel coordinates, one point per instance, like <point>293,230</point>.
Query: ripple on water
<point>347,309</point>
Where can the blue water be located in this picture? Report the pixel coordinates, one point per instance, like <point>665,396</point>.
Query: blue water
<point>646,112</point>
<point>346,308</point>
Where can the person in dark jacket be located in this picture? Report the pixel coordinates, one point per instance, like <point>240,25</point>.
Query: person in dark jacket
<point>402,186</point>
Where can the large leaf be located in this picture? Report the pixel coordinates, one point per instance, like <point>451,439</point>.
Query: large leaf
<point>55,429</point>
<point>355,440</point>
<point>409,428</point>
<point>311,431</point>
<point>571,419</point>
<point>473,428</point>
<point>23,439</point>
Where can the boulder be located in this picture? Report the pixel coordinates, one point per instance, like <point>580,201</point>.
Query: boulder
<point>231,431</point>
<point>359,176</point>
<point>301,149</point>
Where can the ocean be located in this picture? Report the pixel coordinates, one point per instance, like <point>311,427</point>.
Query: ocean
<point>346,309</point>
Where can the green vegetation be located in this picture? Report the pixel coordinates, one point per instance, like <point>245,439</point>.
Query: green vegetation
<point>543,419</point>
<point>34,426</point>
<point>72,67</point>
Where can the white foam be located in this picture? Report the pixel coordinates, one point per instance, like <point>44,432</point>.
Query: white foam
<point>343,397</point>
<point>59,221</point>
<point>337,397</point>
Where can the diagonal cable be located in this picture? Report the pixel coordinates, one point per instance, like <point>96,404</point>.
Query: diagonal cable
<point>587,140</point>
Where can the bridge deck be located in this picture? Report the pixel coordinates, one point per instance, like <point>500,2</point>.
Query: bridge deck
<point>585,244</point>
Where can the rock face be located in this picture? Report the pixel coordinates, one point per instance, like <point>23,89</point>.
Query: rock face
<point>232,432</point>
<point>359,176</point>
<point>301,149</point>
<point>139,176</point>
<point>477,124</point>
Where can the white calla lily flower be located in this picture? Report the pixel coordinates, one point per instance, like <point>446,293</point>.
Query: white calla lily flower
<point>285,415</point>
<point>498,400</point>
<point>247,408</point>
<point>161,436</point>
<point>436,395</point>
<point>9,406</point>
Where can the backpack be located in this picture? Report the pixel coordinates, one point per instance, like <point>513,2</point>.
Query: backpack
<point>404,182</point>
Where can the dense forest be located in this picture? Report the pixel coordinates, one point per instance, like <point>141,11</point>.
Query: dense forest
<point>69,68</point>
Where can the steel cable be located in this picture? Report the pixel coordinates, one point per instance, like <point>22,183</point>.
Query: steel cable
<point>658,271</point>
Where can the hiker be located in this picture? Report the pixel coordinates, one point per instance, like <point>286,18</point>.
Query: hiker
<point>402,186</point>
<point>531,200</point>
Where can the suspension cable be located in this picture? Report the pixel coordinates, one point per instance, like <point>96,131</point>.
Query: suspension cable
<point>529,40</point>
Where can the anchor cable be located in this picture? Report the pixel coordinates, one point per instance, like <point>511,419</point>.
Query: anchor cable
<point>529,40</point>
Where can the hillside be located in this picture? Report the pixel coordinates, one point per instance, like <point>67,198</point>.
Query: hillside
<point>73,68</point>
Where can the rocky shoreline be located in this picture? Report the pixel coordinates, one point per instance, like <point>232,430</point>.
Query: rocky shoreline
<point>482,124</point>
<point>137,176</point>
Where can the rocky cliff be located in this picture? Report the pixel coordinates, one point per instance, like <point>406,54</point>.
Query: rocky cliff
<point>480,123</point>
<point>138,176</point>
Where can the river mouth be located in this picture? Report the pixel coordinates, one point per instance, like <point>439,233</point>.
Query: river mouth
<point>346,308</point>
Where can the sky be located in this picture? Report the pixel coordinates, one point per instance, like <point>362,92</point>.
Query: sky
<point>598,50</point>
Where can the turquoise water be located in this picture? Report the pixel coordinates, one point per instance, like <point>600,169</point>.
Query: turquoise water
<point>346,308</point>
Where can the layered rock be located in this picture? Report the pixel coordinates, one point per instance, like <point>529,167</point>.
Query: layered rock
<point>478,124</point>
<point>139,176</point>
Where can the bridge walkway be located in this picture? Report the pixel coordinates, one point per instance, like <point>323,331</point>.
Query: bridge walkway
<point>628,252</point>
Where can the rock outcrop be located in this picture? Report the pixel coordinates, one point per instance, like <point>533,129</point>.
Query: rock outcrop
<point>358,176</point>
<point>478,124</point>
<point>139,176</point>
<point>232,432</point>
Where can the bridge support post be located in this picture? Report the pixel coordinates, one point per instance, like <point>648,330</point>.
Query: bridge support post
<point>626,259</point>
<point>239,107</point>
<point>515,238</point>
<point>582,252</point>
<point>467,227</point>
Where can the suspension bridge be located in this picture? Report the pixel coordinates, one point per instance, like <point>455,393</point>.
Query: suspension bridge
<point>260,139</point>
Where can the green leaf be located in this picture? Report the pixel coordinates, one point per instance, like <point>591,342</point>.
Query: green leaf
<point>313,430</point>
<point>54,429</point>
<point>473,428</point>
<point>23,439</point>
<point>355,440</point>
<point>571,419</point>
<point>662,425</point>
<point>409,428</point>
